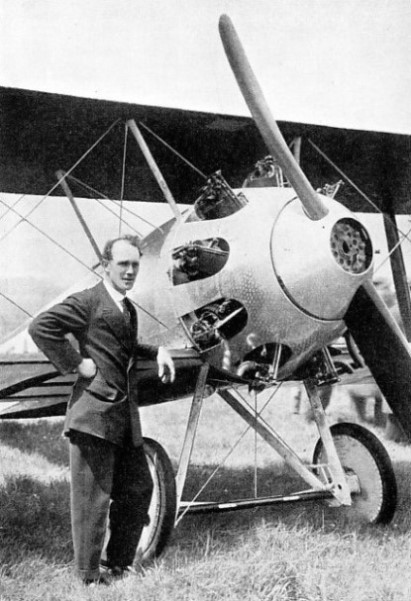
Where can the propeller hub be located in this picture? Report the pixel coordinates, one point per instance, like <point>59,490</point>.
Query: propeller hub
<point>351,246</point>
<point>320,264</point>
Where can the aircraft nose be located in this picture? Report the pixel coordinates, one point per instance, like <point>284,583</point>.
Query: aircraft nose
<point>320,265</point>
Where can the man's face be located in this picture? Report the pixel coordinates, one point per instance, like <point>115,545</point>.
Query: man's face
<point>122,269</point>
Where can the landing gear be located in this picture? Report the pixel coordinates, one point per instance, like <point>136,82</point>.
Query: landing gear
<point>367,465</point>
<point>162,511</point>
<point>351,469</point>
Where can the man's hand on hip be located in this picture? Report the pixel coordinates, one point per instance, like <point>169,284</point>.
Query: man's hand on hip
<point>87,368</point>
<point>166,369</point>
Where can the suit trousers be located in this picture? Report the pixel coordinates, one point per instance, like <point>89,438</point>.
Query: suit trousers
<point>110,486</point>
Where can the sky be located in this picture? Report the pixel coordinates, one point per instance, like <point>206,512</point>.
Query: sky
<point>332,62</point>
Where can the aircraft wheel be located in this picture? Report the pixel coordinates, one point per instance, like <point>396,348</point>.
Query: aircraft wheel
<point>362,454</point>
<point>162,511</point>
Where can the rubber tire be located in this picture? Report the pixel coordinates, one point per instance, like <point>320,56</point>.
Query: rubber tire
<point>362,453</point>
<point>163,504</point>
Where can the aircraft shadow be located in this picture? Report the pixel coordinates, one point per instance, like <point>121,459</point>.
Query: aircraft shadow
<point>35,515</point>
<point>317,516</point>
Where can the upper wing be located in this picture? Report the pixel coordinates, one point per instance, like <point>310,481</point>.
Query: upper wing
<point>43,132</point>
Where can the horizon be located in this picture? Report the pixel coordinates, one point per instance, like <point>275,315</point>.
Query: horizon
<point>64,275</point>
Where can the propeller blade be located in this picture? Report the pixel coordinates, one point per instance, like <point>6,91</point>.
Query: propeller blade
<point>384,349</point>
<point>253,95</point>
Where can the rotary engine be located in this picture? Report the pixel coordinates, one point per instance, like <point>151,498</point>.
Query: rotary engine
<point>257,286</point>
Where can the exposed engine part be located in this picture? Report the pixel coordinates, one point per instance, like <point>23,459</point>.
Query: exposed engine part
<point>205,332</point>
<point>330,190</point>
<point>217,322</point>
<point>320,368</point>
<point>351,245</point>
<point>262,363</point>
<point>217,199</point>
<point>198,259</point>
<point>266,172</point>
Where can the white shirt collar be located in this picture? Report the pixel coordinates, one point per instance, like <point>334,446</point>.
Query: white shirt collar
<point>117,296</point>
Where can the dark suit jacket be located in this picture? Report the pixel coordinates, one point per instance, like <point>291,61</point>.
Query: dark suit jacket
<point>106,405</point>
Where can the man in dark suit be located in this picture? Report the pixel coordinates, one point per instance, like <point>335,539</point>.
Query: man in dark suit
<point>109,472</point>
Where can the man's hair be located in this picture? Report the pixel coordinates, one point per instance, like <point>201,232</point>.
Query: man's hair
<point>107,254</point>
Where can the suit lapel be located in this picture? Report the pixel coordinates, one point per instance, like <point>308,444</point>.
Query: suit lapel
<point>113,317</point>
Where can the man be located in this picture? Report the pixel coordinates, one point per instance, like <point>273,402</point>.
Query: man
<point>109,473</point>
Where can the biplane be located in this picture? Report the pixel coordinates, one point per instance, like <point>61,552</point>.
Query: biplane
<point>249,287</point>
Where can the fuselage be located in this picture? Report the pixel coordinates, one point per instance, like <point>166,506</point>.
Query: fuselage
<point>236,286</point>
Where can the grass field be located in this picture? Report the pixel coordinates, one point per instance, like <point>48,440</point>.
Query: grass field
<point>305,552</point>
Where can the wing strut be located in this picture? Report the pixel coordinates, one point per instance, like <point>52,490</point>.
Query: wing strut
<point>61,177</point>
<point>154,168</point>
<point>398,271</point>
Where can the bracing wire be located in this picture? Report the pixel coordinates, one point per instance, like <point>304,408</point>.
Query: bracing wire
<point>154,317</point>
<point>173,150</point>
<point>123,177</point>
<point>88,187</point>
<point>61,179</point>
<point>392,251</point>
<point>345,176</point>
<point>351,182</point>
<point>25,219</point>
<point>14,205</point>
<point>43,233</point>
<point>214,472</point>
<point>10,300</point>
<point>367,199</point>
<point>77,259</point>
<point>125,209</point>
<point>101,203</point>
<point>229,452</point>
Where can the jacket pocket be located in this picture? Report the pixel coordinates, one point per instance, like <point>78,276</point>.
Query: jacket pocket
<point>99,388</point>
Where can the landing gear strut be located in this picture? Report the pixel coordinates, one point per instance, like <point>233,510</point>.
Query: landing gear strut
<point>351,469</point>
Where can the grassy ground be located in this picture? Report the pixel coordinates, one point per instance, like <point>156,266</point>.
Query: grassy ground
<point>306,552</point>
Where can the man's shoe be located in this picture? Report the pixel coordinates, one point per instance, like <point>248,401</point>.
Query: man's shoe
<point>103,578</point>
<point>132,571</point>
<point>118,572</point>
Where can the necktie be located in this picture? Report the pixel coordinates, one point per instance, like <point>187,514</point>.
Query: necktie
<point>129,317</point>
<point>127,313</point>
